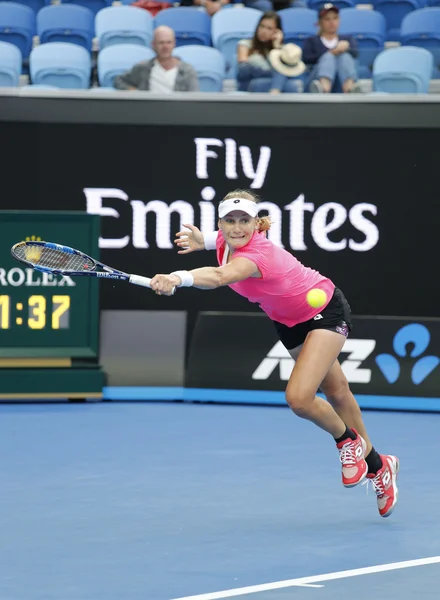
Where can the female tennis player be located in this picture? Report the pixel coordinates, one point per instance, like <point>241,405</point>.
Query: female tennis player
<point>264,273</point>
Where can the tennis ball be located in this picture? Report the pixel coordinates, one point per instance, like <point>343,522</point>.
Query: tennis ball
<point>316,298</point>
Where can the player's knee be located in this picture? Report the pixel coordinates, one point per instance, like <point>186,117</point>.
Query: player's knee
<point>300,402</point>
<point>338,390</point>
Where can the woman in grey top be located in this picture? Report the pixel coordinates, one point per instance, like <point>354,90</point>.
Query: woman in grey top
<point>253,66</point>
<point>255,71</point>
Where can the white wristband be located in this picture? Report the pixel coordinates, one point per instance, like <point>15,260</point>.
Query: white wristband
<point>210,240</point>
<point>187,280</point>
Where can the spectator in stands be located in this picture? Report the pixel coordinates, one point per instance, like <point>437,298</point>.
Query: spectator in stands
<point>211,6</point>
<point>330,56</point>
<point>254,70</point>
<point>165,73</point>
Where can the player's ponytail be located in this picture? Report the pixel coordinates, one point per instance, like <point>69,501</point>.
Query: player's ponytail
<point>264,223</point>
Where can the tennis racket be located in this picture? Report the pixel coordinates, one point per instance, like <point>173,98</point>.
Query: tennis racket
<point>63,260</point>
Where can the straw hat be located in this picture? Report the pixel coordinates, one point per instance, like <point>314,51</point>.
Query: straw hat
<point>287,60</point>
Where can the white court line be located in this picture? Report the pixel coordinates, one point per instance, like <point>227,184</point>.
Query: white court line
<point>312,585</point>
<point>306,581</point>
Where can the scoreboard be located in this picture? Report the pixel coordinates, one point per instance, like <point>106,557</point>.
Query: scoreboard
<point>49,324</point>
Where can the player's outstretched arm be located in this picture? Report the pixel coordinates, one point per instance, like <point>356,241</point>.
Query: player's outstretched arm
<point>209,278</point>
<point>206,278</point>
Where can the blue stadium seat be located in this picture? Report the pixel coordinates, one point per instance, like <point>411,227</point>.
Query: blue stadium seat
<point>66,23</point>
<point>209,64</point>
<point>60,64</point>
<point>403,70</point>
<point>115,60</point>
<point>190,25</point>
<point>94,5</point>
<point>368,27</point>
<point>421,28</point>
<point>230,26</point>
<point>123,25</point>
<point>34,5</point>
<point>10,65</point>
<point>317,4</point>
<point>17,26</point>
<point>394,11</point>
<point>298,24</point>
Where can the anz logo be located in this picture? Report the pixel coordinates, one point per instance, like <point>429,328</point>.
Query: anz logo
<point>360,357</point>
<point>419,336</point>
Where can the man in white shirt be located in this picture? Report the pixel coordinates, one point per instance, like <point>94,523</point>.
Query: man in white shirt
<point>165,73</point>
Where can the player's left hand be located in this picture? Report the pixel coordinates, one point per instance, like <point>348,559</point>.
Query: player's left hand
<point>190,239</point>
<point>164,285</point>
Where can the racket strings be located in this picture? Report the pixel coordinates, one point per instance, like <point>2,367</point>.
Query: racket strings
<point>53,259</point>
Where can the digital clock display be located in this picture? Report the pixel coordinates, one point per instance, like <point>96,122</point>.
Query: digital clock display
<point>38,312</point>
<point>43,314</point>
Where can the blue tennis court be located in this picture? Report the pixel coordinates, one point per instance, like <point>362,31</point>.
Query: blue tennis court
<point>145,501</point>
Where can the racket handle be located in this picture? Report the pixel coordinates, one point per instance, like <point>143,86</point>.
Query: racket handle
<point>143,281</point>
<point>138,280</point>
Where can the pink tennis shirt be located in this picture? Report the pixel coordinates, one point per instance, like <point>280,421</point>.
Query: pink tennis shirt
<point>281,291</point>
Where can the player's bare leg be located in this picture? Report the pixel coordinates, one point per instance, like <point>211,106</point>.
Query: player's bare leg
<point>337,391</point>
<point>314,359</point>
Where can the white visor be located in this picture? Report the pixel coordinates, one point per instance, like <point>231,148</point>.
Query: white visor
<point>247,206</point>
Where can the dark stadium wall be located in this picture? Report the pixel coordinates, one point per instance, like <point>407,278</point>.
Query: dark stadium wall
<point>357,204</point>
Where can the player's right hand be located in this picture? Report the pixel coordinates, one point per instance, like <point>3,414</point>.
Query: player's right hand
<point>190,240</point>
<point>164,285</point>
